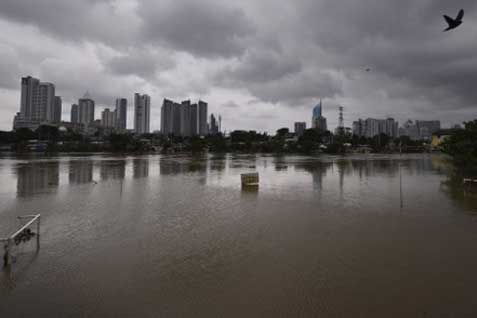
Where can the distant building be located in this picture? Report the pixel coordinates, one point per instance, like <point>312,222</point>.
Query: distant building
<point>185,119</point>
<point>142,109</point>
<point>108,118</point>
<point>317,120</point>
<point>203,118</point>
<point>300,128</point>
<point>194,120</point>
<point>121,113</point>
<point>371,127</point>
<point>167,117</point>
<point>37,104</point>
<point>214,126</point>
<point>86,110</point>
<point>74,113</point>
<point>57,110</point>
<point>421,129</point>
<point>176,119</point>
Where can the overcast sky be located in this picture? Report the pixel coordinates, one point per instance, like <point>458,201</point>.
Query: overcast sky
<point>262,64</point>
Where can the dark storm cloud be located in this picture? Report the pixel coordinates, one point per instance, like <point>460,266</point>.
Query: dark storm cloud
<point>96,20</point>
<point>202,28</point>
<point>289,53</point>
<point>142,64</point>
<point>402,40</point>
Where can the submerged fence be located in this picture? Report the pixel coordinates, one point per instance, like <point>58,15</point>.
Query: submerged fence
<point>20,236</point>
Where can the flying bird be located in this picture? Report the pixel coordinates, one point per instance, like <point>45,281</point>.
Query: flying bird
<point>454,23</point>
<point>368,70</point>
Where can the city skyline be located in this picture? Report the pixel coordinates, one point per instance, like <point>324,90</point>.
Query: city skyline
<point>257,73</point>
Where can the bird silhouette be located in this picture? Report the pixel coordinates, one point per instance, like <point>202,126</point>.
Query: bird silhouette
<point>454,23</point>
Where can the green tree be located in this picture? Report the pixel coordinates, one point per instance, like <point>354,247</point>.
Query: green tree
<point>462,147</point>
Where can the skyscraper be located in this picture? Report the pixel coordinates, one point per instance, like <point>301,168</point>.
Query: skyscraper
<point>29,97</point>
<point>58,109</point>
<point>121,113</point>
<point>74,113</point>
<point>167,117</point>
<point>37,103</point>
<point>108,118</point>
<point>317,120</point>
<point>185,119</point>
<point>203,131</point>
<point>317,110</point>
<point>142,108</point>
<point>194,120</point>
<point>300,128</point>
<point>46,102</point>
<point>214,127</point>
<point>176,119</point>
<point>86,110</point>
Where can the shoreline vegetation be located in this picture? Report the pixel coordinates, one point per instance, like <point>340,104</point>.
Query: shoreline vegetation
<point>49,139</point>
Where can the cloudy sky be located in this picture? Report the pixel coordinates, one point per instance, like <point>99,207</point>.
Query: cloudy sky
<point>262,64</point>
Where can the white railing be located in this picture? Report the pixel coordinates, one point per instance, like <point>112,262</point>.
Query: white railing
<point>10,239</point>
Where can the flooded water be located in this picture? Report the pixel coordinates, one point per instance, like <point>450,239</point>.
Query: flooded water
<point>174,236</point>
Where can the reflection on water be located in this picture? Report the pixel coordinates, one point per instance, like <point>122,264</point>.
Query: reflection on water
<point>141,168</point>
<point>81,171</point>
<point>178,236</point>
<point>113,169</point>
<point>35,177</point>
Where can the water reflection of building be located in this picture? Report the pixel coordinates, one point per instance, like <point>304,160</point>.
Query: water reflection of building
<point>115,169</point>
<point>36,177</point>
<point>141,168</point>
<point>81,171</point>
<point>171,167</point>
<point>318,171</point>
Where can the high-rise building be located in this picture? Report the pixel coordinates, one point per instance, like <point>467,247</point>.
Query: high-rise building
<point>86,110</point>
<point>46,102</point>
<point>372,127</point>
<point>37,103</point>
<point>167,117</point>
<point>185,119</point>
<point>300,128</point>
<point>142,109</point>
<point>108,118</point>
<point>58,109</point>
<point>317,120</point>
<point>214,127</point>
<point>121,113</point>
<point>74,113</point>
<point>427,127</point>
<point>317,110</point>
<point>176,119</point>
<point>29,97</point>
<point>194,120</point>
<point>203,118</point>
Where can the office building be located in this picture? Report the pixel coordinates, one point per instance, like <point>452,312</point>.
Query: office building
<point>142,109</point>
<point>121,113</point>
<point>317,120</point>
<point>300,128</point>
